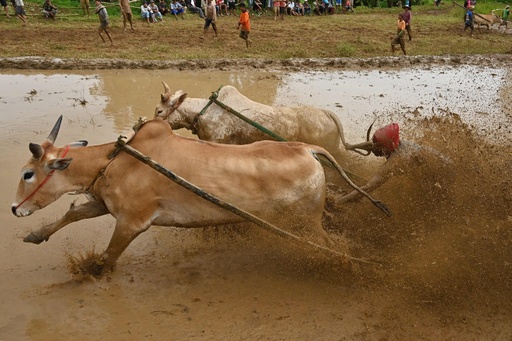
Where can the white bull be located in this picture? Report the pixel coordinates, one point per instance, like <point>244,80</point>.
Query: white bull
<point>282,183</point>
<point>305,124</point>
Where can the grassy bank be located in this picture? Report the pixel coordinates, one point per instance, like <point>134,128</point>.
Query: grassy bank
<point>366,33</point>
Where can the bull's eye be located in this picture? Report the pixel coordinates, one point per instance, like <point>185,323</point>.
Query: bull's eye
<point>28,175</point>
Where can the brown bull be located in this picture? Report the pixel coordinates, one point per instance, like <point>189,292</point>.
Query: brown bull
<point>305,124</point>
<point>280,182</point>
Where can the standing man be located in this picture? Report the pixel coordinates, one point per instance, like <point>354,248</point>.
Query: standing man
<point>85,6</point>
<point>399,39</point>
<point>504,17</point>
<point>407,15</point>
<point>245,24</point>
<point>19,11</point>
<point>469,20</point>
<point>6,8</point>
<point>126,11</point>
<point>104,21</point>
<point>211,18</point>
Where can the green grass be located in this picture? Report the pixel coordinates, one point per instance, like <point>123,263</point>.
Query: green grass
<point>366,33</point>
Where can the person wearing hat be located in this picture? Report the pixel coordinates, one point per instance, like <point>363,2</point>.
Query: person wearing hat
<point>101,11</point>
<point>153,8</point>
<point>407,15</point>
<point>469,20</point>
<point>504,17</point>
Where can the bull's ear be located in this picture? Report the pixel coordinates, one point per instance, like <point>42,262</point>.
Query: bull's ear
<point>59,164</point>
<point>164,98</point>
<point>182,97</point>
<point>37,150</point>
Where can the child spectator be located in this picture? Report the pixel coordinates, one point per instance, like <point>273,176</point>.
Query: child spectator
<point>49,10</point>
<point>104,21</point>
<point>245,24</point>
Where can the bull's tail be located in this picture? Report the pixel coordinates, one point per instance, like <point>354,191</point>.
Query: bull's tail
<point>366,146</point>
<point>324,154</point>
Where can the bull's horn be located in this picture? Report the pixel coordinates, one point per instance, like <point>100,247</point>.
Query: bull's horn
<point>166,88</point>
<point>37,150</point>
<point>55,131</point>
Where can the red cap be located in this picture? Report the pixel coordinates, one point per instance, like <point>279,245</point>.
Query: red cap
<point>386,140</point>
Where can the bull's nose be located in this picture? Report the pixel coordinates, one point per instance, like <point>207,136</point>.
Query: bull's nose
<point>13,209</point>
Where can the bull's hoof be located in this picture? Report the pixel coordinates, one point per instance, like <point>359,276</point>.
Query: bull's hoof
<point>96,270</point>
<point>34,238</point>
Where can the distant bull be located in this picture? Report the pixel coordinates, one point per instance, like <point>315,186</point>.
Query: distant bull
<point>305,124</point>
<point>281,182</point>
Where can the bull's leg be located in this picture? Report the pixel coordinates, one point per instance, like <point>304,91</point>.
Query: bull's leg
<point>90,209</point>
<point>124,233</point>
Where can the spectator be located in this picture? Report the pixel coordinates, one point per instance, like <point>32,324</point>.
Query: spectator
<point>306,8</point>
<point>104,21</point>
<point>192,8</point>
<point>399,39</point>
<point>126,11</point>
<point>19,11</point>
<point>145,12</point>
<point>223,8</point>
<point>155,12</point>
<point>231,7</point>
<point>177,9</point>
<point>348,6</point>
<point>211,18</point>
<point>245,25</point>
<point>504,17</point>
<point>162,7</point>
<point>407,15</point>
<point>469,20</point>
<point>257,7</point>
<point>282,9</point>
<point>277,5</point>
<point>339,6</point>
<point>85,7</point>
<point>6,8</point>
<point>49,10</point>
<point>298,9</point>
<point>325,4</point>
<point>289,8</point>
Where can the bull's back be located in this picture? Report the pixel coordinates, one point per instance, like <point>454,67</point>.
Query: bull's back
<point>262,178</point>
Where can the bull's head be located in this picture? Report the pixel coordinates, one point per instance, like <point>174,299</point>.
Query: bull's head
<point>45,160</point>
<point>168,105</point>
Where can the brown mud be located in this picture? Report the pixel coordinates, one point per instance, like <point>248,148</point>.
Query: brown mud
<point>442,264</point>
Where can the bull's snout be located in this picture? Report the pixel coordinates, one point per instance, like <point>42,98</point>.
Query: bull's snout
<point>20,212</point>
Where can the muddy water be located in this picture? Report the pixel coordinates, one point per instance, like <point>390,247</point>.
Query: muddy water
<point>446,255</point>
